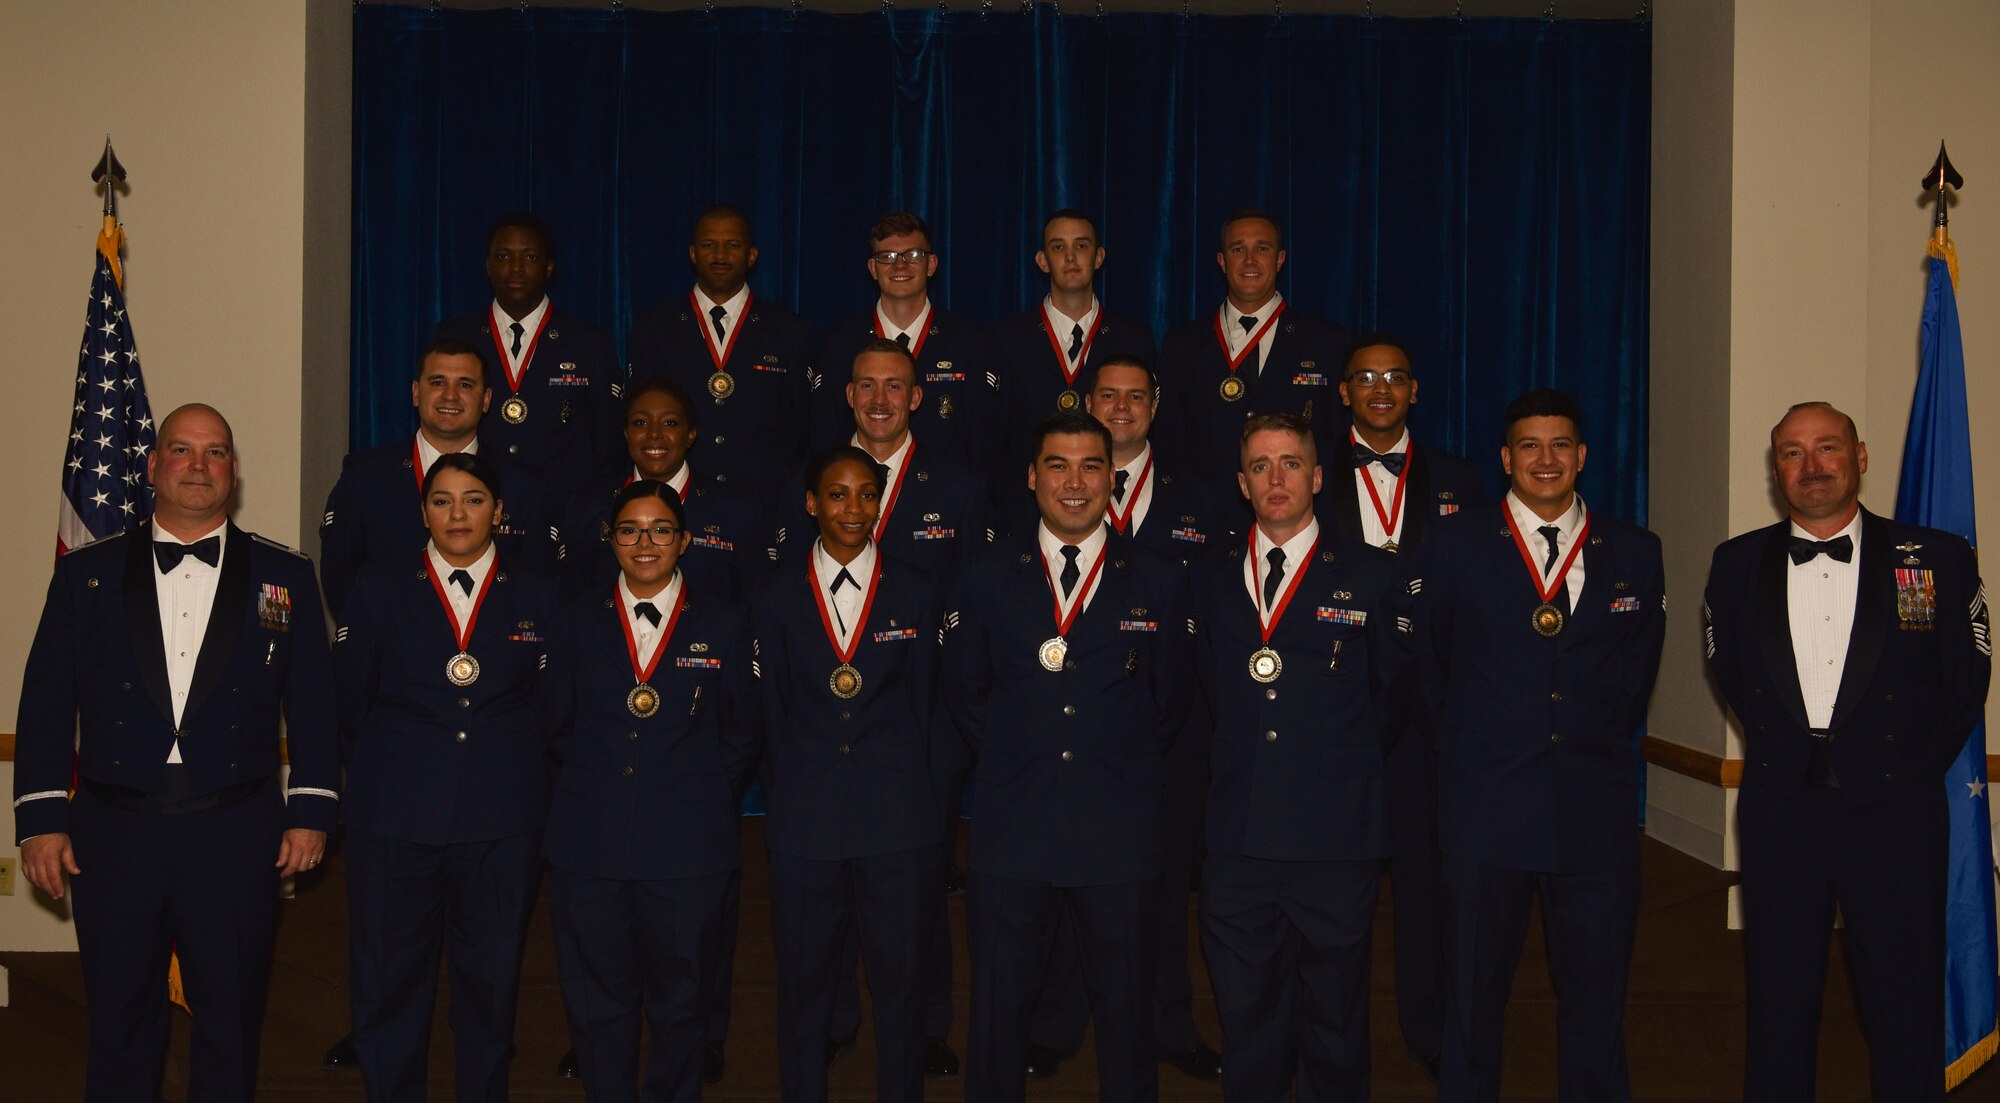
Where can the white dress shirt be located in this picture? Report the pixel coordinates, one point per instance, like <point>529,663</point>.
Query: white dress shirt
<point>503,326</point>
<point>1064,328</point>
<point>1088,549</point>
<point>1571,522</point>
<point>678,480</point>
<point>732,314</point>
<point>1234,333</point>
<point>1819,601</point>
<point>186,597</point>
<point>1138,495</point>
<point>915,333</point>
<point>846,602</point>
<point>1258,565</point>
<point>1385,492</point>
<point>461,601</point>
<point>428,453</point>
<point>893,468</point>
<point>644,632</point>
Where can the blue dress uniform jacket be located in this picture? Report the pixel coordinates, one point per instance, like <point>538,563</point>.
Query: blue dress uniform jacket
<point>956,367</point>
<point>1535,736</point>
<point>1911,689</point>
<point>1439,485</point>
<point>1031,377</point>
<point>1067,785</point>
<point>939,516</point>
<point>573,388</point>
<point>96,681</point>
<point>375,513</point>
<point>731,541</point>
<point>430,762</point>
<point>1297,765</point>
<point>751,438</point>
<point>1301,376</point>
<point>849,779</point>
<point>653,798</point>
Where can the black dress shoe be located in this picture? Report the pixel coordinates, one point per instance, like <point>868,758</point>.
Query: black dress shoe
<point>1042,1062</point>
<point>954,880</point>
<point>712,1064</point>
<point>940,1063</point>
<point>342,1057</point>
<point>1428,1062</point>
<point>1201,1062</point>
<point>836,1050</point>
<point>567,1068</point>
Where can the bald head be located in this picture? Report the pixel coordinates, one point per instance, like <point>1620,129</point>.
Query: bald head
<point>193,471</point>
<point>1818,459</point>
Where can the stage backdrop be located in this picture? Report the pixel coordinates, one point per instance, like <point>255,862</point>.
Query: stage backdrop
<point>1477,186</point>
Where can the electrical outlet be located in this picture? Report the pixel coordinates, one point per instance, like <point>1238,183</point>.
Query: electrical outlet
<point>7,876</point>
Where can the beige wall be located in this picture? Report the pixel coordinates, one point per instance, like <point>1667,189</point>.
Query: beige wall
<point>210,107</point>
<point>1830,111</point>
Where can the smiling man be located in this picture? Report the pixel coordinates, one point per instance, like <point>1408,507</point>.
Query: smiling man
<point>1255,354</point>
<point>555,376</point>
<point>1855,651</point>
<point>1066,669</point>
<point>1539,628</point>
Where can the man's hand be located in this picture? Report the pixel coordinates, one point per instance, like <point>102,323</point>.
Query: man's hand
<point>44,858</point>
<point>302,848</point>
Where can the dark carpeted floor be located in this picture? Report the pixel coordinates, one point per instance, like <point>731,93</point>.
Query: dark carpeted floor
<point>1684,1022</point>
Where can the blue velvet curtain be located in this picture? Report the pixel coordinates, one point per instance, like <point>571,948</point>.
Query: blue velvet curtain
<point>1478,186</point>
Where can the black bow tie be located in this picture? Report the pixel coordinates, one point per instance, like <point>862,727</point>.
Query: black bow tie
<point>1364,455</point>
<point>1803,550</point>
<point>649,611</point>
<point>208,549</point>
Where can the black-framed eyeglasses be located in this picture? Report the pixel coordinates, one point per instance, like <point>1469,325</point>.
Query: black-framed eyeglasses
<point>627,536</point>
<point>907,256</point>
<point>1367,377</point>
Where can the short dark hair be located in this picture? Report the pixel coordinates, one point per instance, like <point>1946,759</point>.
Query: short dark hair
<point>526,220</point>
<point>1278,421</point>
<point>897,223</point>
<point>725,210</point>
<point>1241,213</point>
<point>883,344</point>
<point>658,385</point>
<point>819,465</point>
<point>1123,360</point>
<point>451,346</point>
<point>1075,215</point>
<point>473,464</point>
<point>645,488</point>
<point>1067,422</point>
<point>1541,402</point>
<point>1380,340</point>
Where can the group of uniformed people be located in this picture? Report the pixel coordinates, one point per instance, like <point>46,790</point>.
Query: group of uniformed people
<point>1225,628</point>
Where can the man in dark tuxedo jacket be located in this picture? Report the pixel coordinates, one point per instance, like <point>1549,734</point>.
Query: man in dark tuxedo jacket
<point>1071,711</point>
<point>558,376</point>
<point>1390,492</point>
<point>163,663</point>
<point>1047,353</point>
<point>1857,673</point>
<point>1253,355</point>
<point>748,355</point>
<point>1539,686</point>
<point>1301,645</point>
<point>375,510</point>
<point>955,362</point>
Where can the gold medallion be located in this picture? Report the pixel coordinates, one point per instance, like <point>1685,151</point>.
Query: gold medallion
<point>1052,653</point>
<point>1232,389</point>
<point>1069,400</point>
<point>1391,547</point>
<point>643,701</point>
<point>721,385</point>
<point>1548,620</point>
<point>1265,665</point>
<point>845,682</point>
<point>461,669</point>
<point>515,410</point>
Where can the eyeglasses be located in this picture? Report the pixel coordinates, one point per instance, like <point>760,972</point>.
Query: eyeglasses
<point>627,536</point>
<point>1368,378</point>
<point>907,256</point>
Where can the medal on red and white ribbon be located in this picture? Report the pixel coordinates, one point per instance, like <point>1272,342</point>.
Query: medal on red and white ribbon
<point>1265,665</point>
<point>1546,619</point>
<point>721,384</point>
<point>1392,517</point>
<point>1055,649</point>
<point>644,700</point>
<point>514,408</point>
<point>845,681</point>
<point>1119,520</point>
<point>461,669</point>
<point>1069,399</point>
<point>1233,386</point>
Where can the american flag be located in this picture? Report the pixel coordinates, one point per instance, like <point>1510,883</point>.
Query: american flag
<point>110,428</point>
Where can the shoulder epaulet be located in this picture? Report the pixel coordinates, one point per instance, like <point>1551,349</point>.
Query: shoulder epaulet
<point>100,540</point>
<point>270,543</point>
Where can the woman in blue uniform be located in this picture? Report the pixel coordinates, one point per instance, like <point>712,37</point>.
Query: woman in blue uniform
<point>653,687</point>
<point>848,646</point>
<point>438,663</point>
